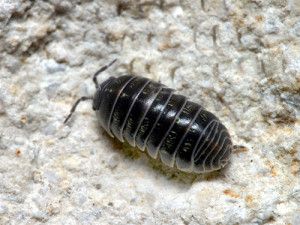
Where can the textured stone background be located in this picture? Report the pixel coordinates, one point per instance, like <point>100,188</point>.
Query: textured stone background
<point>239,59</point>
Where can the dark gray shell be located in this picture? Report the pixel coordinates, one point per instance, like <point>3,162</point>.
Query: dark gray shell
<point>152,117</point>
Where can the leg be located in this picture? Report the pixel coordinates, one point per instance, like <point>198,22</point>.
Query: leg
<point>100,71</point>
<point>84,98</point>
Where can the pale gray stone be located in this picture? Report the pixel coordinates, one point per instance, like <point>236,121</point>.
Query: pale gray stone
<point>239,59</point>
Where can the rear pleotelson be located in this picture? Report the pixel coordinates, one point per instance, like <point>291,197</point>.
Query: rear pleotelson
<point>167,125</point>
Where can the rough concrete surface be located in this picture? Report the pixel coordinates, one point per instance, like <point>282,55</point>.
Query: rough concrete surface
<point>238,58</point>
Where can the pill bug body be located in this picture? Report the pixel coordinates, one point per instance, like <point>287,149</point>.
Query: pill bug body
<point>167,125</point>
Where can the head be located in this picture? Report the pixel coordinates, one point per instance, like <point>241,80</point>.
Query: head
<point>97,96</point>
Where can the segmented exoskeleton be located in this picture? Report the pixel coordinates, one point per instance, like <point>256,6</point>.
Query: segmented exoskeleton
<point>156,119</point>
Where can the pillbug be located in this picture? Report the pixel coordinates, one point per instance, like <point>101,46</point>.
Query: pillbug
<point>166,125</point>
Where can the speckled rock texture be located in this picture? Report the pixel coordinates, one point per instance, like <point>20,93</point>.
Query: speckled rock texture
<point>238,58</point>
